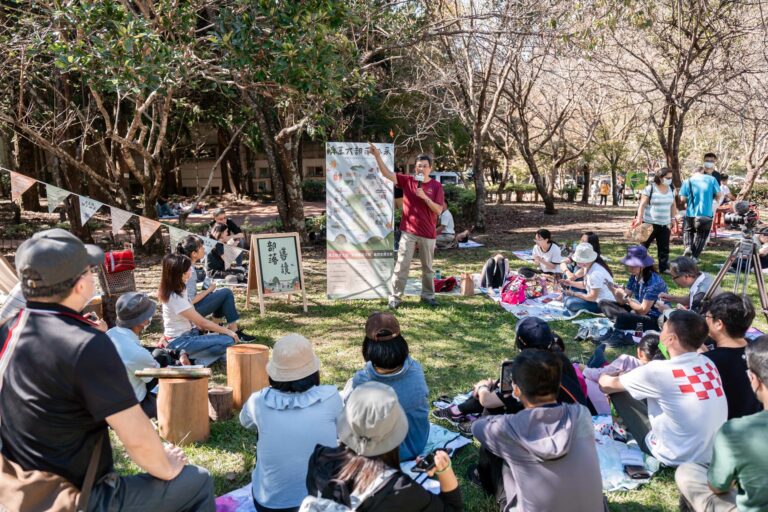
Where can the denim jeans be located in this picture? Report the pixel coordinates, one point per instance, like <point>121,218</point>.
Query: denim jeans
<point>220,303</point>
<point>205,349</point>
<point>576,304</point>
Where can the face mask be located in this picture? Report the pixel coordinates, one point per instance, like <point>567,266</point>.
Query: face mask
<point>709,165</point>
<point>667,181</point>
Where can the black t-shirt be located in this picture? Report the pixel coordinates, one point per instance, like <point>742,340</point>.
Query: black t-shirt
<point>231,226</point>
<point>732,365</point>
<point>63,379</point>
<point>214,261</point>
<point>717,176</point>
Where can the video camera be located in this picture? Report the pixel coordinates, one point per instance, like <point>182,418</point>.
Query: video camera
<point>741,216</point>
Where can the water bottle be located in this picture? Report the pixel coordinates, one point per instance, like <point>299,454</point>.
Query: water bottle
<point>437,274</point>
<point>639,330</point>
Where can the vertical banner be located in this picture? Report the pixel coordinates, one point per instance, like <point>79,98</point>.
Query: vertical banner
<point>119,218</point>
<point>360,216</point>
<point>55,196</point>
<point>20,184</point>
<point>88,207</point>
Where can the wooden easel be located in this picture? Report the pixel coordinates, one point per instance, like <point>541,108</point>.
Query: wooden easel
<point>255,272</point>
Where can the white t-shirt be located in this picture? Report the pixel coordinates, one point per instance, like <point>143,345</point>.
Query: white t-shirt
<point>553,255</point>
<point>446,220</point>
<point>686,406</point>
<point>174,325</point>
<point>595,279</point>
<point>724,192</point>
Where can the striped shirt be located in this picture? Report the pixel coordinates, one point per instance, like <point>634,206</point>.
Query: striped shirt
<point>659,209</point>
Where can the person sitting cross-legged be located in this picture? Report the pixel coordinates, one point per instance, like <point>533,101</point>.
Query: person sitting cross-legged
<point>364,471</point>
<point>597,279</point>
<point>64,386</point>
<point>291,416</point>
<point>447,238</point>
<point>673,408</point>
<point>387,360</point>
<point>548,448</point>
<point>634,303</point>
<point>182,325</point>
<point>729,316</point>
<point>134,313</point>
<point>736,477</point>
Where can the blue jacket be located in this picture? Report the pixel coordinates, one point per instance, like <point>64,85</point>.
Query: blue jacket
<point>412,393</point>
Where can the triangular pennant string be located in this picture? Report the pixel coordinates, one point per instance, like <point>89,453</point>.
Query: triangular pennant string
<point>119,218</point>
<point>20,184</point>
<point>88,207</point>
<point>55,196</point>
<point>176,235</point>
<point>148,228</point>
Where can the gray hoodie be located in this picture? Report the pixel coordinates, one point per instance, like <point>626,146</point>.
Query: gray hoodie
<point>551,458</point>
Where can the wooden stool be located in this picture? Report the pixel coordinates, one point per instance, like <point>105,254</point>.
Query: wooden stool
<point>182,404</point>
<point>220,403</point>
<point>246,371</point>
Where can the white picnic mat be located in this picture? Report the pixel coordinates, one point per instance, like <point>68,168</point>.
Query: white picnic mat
<point>413,287</point>
<point>470,244</point>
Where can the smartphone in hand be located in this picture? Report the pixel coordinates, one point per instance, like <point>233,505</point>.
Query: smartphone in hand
<point>427,464</point>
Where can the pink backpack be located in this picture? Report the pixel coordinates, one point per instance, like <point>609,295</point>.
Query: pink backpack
<point>513,291</point>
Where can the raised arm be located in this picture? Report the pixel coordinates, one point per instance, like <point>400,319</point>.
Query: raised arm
<point>380,162</point>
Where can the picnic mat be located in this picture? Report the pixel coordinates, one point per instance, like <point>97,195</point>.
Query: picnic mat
<point>614,452</point>
<point>240,500</point>
<point>544,307</point>
<point>526,255</point>
<point>471,244</point>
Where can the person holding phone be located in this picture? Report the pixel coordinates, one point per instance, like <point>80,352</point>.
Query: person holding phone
<point>565,468</point>
<point>634,304</point>
<point>423,200</point>
<point>597,281</point>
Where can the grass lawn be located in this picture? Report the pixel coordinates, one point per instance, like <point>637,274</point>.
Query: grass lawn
<point>458,343</point>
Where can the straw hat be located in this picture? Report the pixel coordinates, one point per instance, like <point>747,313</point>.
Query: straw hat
<point>292,359</point>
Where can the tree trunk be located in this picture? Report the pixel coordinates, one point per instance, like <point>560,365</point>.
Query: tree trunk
<point>585,171</point>
<point>541,187</point>
<point>26,163</point>
<point>749,181</point>
<point>477,162</point>
<point>615,193</point>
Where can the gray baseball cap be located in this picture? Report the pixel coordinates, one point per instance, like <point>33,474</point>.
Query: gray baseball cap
<point>54,256</point>
<point>134,308</point>
<point>373,422</point>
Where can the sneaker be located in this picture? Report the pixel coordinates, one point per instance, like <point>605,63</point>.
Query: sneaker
<point>448,413</point>
<point>465,428</point>
<point>619,339</point>
<point>429,302</point>
<point>583,333</point>
<point>393,304</point>
<point>245,337</point>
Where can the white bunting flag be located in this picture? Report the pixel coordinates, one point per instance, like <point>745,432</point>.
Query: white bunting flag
<point>148,228</point>
<point>176,235</point>
<point>119,218</point>
<point>20,184</point>
<point>209,244</point>
<point>88,207</point>
<point>55,196</point>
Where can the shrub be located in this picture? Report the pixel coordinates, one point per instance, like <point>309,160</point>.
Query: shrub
<point>312,190</point>
<point>759,194</point>
<point>316,224</point>
<point>461,201</point>
<point>520,187</point>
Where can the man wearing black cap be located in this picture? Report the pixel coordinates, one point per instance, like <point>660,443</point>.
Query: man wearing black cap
<point>65,383</point>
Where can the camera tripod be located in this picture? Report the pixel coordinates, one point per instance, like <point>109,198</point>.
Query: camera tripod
<point>747,259</point>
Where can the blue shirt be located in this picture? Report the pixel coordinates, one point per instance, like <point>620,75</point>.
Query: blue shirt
<point>412,393</point>
<point>699,192</point>
<point>134,356</point>
<point>647,291</point>
<point>289,427</point>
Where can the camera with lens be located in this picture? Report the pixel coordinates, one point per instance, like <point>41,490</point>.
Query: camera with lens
<point>741,216</point>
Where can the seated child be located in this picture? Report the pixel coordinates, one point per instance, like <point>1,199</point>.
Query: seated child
<point>215,266</point>
<point>647,350</point>
<point>385,352</point>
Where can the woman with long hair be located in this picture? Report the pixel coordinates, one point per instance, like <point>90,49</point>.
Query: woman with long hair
<point>364,471</point>
<point>634,303</point>
<point>182,325</point>
<point>211,301</point>
<point>572,271</point>
<point>657,208</point>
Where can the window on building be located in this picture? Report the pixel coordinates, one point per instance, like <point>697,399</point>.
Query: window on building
<point>315,172</point>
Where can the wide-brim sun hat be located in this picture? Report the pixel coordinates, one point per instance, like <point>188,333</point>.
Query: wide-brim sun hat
<point>292,359</point>
<point>584,253</point>
<point>637,256</point>
<point>373,422</point>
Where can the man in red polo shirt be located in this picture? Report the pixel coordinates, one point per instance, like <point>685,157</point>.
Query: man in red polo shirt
<point>422,203</point>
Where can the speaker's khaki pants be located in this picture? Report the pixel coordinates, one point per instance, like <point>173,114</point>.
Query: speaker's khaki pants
<point>405,251</point>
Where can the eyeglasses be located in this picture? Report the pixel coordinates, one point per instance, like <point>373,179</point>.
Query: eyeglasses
<point>676,277</point>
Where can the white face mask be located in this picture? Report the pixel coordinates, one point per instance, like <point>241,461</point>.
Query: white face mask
<point>709,165</point>
<point>667,181</point>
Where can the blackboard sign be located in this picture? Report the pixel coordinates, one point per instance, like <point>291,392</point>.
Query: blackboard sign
<point>275,267</point>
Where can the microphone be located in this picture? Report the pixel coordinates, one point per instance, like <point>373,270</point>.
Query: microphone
<point>419,179</point>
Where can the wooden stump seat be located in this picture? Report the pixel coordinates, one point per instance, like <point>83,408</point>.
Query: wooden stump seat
<point>246,371</point>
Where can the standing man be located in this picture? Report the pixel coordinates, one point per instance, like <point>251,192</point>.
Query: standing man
<point>63,384</point>
<point>710,166</point>
<point>423,200</point>
<point>699,193</point>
